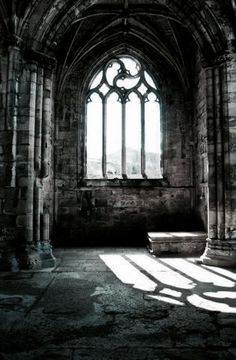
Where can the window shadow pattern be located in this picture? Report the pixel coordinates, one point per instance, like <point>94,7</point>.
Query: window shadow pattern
<point>177,281</point>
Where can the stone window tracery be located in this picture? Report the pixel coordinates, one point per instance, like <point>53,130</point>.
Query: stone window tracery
<point>123,136</point>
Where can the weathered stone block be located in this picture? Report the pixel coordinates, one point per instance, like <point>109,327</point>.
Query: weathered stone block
<point>182,243</point>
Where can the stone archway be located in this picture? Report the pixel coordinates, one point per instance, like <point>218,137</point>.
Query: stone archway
<point>35,69</point>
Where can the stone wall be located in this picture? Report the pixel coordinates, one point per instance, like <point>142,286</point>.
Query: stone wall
<point>108,211</point>
<point>119,215</point>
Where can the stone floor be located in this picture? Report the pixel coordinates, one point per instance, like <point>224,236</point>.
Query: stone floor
<point>118,304</point>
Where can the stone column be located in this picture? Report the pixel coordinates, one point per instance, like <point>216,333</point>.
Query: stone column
<point>10,76</point>
<point>37,155</point>
<point>34,250</point>
<point>38,120</point>
<point>12,113</point>
<point>221,127</point>
<point>27,255</point>
<point>46,173</point>
<point>27,147</point>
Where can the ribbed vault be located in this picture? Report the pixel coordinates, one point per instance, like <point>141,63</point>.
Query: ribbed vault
<point>166,30</point>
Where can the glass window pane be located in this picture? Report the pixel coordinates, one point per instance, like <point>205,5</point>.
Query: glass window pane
<point>130,75</point>
<point>111,72</point>
<point>149,79</point>
<point>152,137</point>
<point>114,142</point>
<point>94,137</point>
<point>133,136</point>
<point>127,83</point>
<point>131,65</point>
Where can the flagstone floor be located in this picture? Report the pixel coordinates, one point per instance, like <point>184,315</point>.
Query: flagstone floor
<point>118,303</point>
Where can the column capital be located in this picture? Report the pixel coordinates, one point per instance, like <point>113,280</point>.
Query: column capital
<point>220,59</point>
<point>40,58</point>
<point>14,41</point>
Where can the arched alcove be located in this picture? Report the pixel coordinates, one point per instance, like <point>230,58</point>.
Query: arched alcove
<point>54,47</point>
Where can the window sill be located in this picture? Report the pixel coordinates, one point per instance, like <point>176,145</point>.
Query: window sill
<point>123,183</point>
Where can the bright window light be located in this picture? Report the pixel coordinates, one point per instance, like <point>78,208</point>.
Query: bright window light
<point>227,273</point>
<point>222,294</point>
<point>171,292</point>
<point>166,299</point>
<point>123,127</point>
<point>161,272</point>
<point>127,273</point>
<point>114,140</point>
<point>197,272</point>
<point>127,267</point>
<point>206,304</point>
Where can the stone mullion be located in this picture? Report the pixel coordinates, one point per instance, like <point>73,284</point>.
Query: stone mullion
<point>124,170</point>
<point>104,138</point>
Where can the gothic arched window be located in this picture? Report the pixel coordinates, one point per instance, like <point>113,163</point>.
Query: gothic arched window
<point>123,137</point>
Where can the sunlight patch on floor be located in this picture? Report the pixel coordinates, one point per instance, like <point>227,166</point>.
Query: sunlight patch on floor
<point>197,272</point>
<point>156,269</point>
<point>166,299</point>
<point>185,282</point>
<point>127,273</point>
<point>211,305</point>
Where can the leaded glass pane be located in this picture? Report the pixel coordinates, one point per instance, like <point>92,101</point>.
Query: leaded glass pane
<point>94,137</point>
<point>152,137</point>
<point>133,136</point>
<point>113,137</point>
<point>123,122</point>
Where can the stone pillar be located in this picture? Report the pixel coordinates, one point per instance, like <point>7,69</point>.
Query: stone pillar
<point>221,127</point>
<point>25,169</point>
<point>12,113</point>
<point>34,251</point>
<point>46,166</point>
<point>10,76</point>
<point>38,120</point>
<point>27,148</point>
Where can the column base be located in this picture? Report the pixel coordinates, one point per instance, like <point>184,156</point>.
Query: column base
<point>220,253</point>
<point>31,258</point>
<point>37,257</point>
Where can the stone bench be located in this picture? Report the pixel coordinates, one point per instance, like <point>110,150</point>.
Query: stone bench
<point>181,243</point>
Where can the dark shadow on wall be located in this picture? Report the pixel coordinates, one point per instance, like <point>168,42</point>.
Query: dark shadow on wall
<point>128,230</point>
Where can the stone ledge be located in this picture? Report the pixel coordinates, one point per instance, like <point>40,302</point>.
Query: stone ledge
<point>181,242</point>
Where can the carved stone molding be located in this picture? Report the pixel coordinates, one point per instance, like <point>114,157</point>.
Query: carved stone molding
<point>40,58</point>
<point>14,40</point>
<point>227,57</point>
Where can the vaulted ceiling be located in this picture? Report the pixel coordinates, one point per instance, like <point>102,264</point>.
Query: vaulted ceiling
<point>167,30</point>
